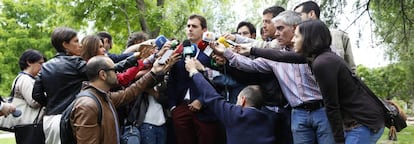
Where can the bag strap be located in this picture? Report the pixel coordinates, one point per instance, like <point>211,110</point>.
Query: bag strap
<point>87,93</point>
<point>37,116</point>
<point>134,111</point>
<point>369,91</point>
<point>14,86</point>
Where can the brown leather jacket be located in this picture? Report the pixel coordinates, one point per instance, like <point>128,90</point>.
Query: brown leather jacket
<point>85,112</point>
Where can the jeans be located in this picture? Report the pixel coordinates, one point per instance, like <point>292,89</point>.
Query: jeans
<point>309,127</point>
<point>151,134</point>
<point>131,135</point>
<point>362,135</point>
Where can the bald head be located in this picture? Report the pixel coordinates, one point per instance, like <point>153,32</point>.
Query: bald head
<point>97,63</point>
<point>252,95</point>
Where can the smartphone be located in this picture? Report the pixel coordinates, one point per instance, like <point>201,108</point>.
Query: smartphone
<point>165,56</point>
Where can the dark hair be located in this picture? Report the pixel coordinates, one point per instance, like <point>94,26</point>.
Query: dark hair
<point>203,21</point>
<point>90,46</point>
<point>253,94</point>
<point>30,56</point>
<point>94,65</point>
<point>274,10</point>
<point>102,35</point>
<point>309,6</point>
<point>316,37</point>
<point>60,35</point>
<point>136,36</point>
<point>249,25</point>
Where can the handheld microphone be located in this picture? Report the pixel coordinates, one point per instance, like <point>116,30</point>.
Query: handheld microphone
<point>188,49</point>
<point>174,44</point>
<point>223,41</point>
<point>202,45</point>
<point>209,37</point>
<point>168,53</point>
<point>17,113</point>
<point>160,41</point>
<point>231,42</point>
<point>179,49</point>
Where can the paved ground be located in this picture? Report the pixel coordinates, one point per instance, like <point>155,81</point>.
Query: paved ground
<point>410,121</point>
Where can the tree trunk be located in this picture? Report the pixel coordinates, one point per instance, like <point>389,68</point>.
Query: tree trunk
<point>142,20</point>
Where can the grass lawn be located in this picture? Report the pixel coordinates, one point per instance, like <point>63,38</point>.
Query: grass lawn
<point>404,137</point>
<point>7,141</point>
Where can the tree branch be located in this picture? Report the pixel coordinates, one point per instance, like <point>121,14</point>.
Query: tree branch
<point>123,9</point>
<point>142,21</point>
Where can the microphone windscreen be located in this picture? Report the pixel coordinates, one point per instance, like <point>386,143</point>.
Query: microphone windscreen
<point>223,41</point>
<point>186,43</point>
<point>160,41</point>
<point>208,37</point>
<point>17,113</point>
<point>179,49</point>
<point>202,45</point>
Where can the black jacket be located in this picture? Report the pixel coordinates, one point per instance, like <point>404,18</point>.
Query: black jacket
<point>60,79</point>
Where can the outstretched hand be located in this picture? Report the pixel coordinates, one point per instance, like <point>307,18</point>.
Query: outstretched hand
<point>218,48</point>
<point>164,68</point>
<point>7,109</point>
<point>243,49</point>
<point>229,36</point>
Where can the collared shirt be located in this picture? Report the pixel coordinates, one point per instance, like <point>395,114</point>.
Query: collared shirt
<point>296,80</point>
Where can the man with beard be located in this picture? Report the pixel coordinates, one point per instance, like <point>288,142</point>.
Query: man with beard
<point>102,77</point>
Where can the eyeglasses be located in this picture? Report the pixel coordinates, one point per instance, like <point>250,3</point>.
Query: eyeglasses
<point>108,69</point>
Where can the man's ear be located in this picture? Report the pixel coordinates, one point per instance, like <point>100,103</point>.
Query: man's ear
<point>243,101</point>
<point>102,75</point>
<point>312,14</point>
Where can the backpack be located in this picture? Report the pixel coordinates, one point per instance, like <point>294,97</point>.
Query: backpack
<point>66,132</point>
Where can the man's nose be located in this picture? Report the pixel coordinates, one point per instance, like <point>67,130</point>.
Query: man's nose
<point>277,33</point>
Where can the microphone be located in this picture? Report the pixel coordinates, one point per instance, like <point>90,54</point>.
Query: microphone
<point>231,42</point>
<point>168,53</point>
<point>202,45</point>
<point>17,113</point>
<point>160,41</point>
<point>223,41</point>
<point>209,37</point>
<point>188,49</point>
<point>179,49</point>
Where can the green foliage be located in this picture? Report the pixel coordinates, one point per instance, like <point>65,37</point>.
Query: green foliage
<point>394,22</point>
<point>387,82</point>
<point>22,27</point>
<point>28,24</point>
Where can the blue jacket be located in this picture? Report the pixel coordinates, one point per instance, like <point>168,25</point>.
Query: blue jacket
<point>179,81</point>
<point>118,57</point>
<point>243,125</point>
